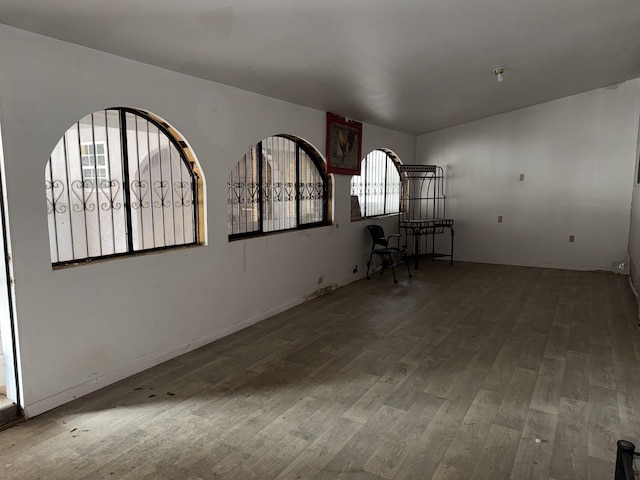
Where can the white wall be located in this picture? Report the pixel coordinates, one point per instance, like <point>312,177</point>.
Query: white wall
<point>634,236</point>
<point>577,154</point>
<point>83,327</point>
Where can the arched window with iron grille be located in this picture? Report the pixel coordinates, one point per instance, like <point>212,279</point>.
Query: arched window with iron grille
<point>379,185</point>
<point>280,184</point>
<point>121,181</point>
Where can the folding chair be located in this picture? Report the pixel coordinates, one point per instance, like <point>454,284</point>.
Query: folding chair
<point>381,246</point>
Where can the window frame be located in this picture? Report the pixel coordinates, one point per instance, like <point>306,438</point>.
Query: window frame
<point>321,168</point>
<point>187,158</point>
<point>401,201</point>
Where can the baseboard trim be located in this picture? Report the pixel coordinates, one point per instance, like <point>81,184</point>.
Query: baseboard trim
<point>141,364</point>
<point>145,362</point>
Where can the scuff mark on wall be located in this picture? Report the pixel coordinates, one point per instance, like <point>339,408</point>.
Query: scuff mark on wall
<point>320,292</point>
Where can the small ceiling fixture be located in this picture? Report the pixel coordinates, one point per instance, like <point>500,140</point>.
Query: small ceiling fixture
<point>498,71</point>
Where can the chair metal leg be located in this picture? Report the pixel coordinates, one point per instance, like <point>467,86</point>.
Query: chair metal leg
<point>393,270</point>
<point>369,264</point>
<point>406,262</point>
<point>453,234</point>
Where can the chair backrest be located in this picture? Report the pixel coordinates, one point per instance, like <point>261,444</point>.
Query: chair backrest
<point>377,235</point>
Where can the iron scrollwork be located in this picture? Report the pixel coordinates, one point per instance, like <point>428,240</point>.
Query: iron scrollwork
<point>289,192</point>
<point>252,189</point>
<point>161,188</point>
<point>110,189</point>
<point>182,190</point>
<point>53,199</point>
<point>311,191</point>
<point>83,191</point>
<point>139,189</point>
<point>238,197</point>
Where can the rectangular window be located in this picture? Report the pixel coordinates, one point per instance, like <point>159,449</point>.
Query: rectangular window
<point>94,163</point>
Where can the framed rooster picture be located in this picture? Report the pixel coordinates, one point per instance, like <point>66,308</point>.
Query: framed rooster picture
<point>344,145</point>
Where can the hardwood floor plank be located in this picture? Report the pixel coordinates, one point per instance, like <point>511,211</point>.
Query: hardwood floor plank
<point>601,371</point>
<point>498,454</point>
<point>516,400</point>
<point>447,472</point>
<point>273,458</point>
<point>313,460</point>
<point>357,451</point>
<point>425,348</point>
<point>546,394</point>
<point>532,350</point>
<point>579,336</point>
<point>533,459</point>
<point>421,460</point>
<point>571,441</point>
<point>575,383</point>
<point>405,435</point>
<point>373,398</point>
<point>564,310</point>
<point>556,346</point>
<point>502,370</point>
<point>466,447</point>
<point>599,469</point>
<point>604,423</point>
<point>407,393</point>
<point>451,374</point>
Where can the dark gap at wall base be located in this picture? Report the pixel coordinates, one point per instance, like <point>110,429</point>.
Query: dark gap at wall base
<point>9,416</point>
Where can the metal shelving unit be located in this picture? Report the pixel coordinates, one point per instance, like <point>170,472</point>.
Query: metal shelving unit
<point>424,209</point>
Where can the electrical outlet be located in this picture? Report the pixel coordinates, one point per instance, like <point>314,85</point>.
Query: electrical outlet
<point>499,218</point>
<point>572,238</point>
<point>522,177</point>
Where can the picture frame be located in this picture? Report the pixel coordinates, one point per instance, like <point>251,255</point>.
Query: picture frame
<point>344,145</point>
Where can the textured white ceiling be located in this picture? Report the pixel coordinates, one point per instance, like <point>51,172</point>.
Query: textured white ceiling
<point>410,65</point>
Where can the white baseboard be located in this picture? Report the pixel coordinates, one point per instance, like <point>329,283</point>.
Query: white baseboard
<point>147,361</point>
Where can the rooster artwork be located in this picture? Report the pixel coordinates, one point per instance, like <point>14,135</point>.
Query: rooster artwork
<point>344,141</point>
<point>346,145</point>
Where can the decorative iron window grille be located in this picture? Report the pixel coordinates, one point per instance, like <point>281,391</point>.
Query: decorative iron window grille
<point>379,185</point>
<point>280,184</point>
<point>120,181</point>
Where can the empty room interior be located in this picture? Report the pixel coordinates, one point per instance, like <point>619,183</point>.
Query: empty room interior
<point>189,195</point>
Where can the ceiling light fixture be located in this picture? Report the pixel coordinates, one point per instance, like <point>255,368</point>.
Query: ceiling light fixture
<point>498,71</point>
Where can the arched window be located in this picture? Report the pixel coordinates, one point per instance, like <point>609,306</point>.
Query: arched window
<point>120,181</point>
<point>379,185</point>
<point>280,184</point>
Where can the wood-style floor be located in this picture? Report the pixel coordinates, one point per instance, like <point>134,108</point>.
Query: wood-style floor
<point>465,371</point>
